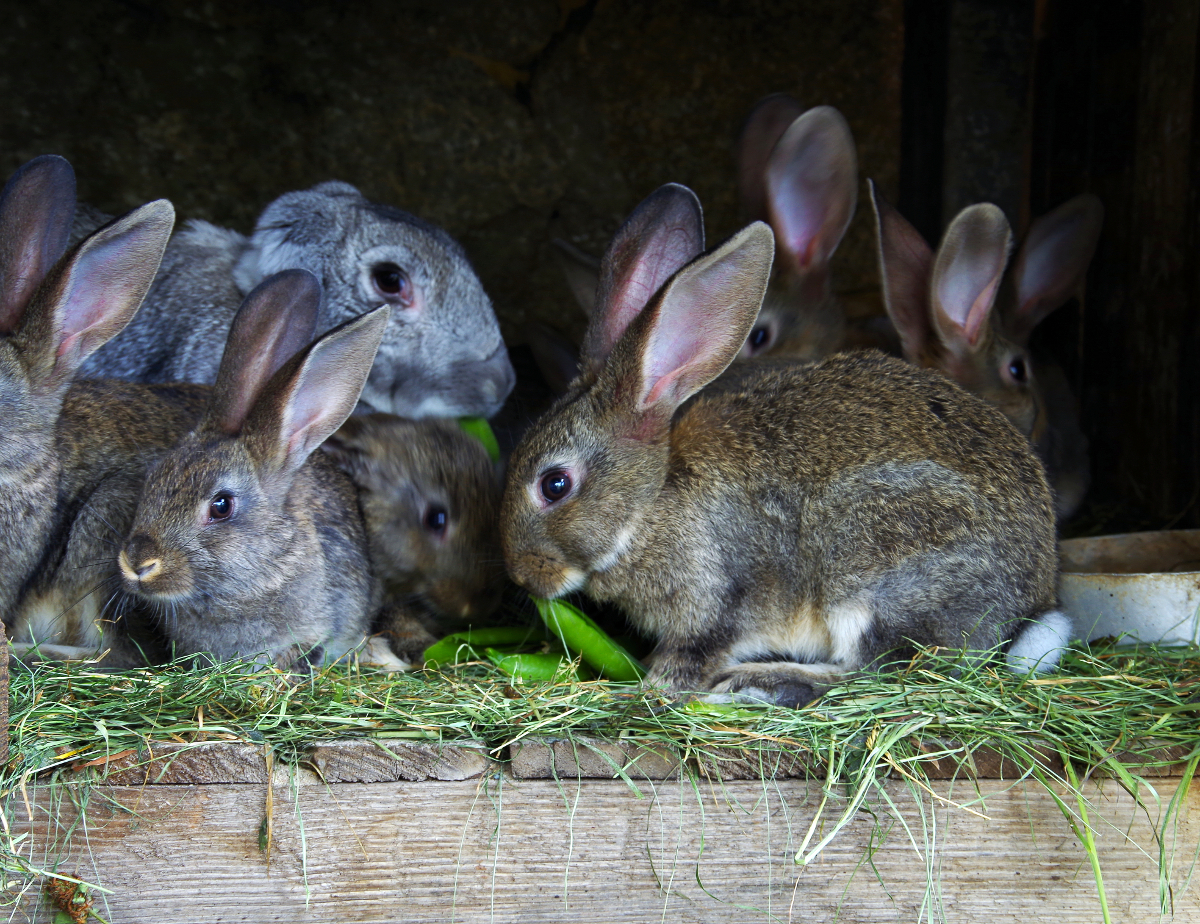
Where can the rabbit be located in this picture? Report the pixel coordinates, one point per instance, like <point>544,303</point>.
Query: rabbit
<point>110,433</point>
<point>798,170</point>
<point>429,495</point>
<point>957,311</point>
<point>441,354</point>
<point>55,310</point>
<point>244,543</point>
<point>784,527</point>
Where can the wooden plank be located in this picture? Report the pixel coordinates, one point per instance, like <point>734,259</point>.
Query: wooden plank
<point>346,761</point>
<point>547,851</point>
<point>362,761</point>
<point>590,758</point>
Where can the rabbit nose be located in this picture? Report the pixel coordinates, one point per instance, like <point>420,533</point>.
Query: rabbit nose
<point>499,377</point>
<point>139,560</point>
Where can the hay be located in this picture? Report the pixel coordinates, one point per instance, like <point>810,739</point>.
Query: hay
<point>1120,709</point>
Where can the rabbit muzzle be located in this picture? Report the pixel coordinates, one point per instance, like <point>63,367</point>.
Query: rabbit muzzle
<point>544,574</point>
<point>147,571</point>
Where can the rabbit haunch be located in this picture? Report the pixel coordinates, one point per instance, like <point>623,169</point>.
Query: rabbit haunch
<point>441,354</point>
<point>790,523</point>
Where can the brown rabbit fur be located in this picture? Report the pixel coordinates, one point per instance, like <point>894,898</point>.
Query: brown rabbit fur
<point>429,494</point>
<point>960,312</point>
<point>790,523</point>
<point>244,542</point>
<point>58,444</point>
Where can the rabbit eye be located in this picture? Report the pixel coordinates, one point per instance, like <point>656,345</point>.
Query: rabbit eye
<point>220,507</point>
<point>556,485</point>
<point>436,519</point>
<point>392,283</point>
<point>759,339</point>
<point>1017,370</point>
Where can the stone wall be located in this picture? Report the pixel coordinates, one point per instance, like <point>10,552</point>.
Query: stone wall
<point>508,123</point>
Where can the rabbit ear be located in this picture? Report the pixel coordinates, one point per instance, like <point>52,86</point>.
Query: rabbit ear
<point>1053,262</point>
<point>966,275</point>
<point>663,233</point>
<point>765,125</point>
<point>96,291</point>
<point>276,321</point>
<point>812,188</point>
<point>313,394</point>
<point>700,323</point>
<point>582,271</point>
<point>557,357</point>
<point>905,263</point>
<point>36,210</point>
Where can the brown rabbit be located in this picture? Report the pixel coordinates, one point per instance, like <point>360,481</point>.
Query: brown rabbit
<point>798,171</point>
<point>429,495</point>
<point>789,524</point>
<point>959,312</point>
<point>56,447</point>
<point>244,543</point>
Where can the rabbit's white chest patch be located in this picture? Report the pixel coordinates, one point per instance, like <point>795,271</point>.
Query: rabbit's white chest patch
<point>811,635</point>
<point>53,619</point>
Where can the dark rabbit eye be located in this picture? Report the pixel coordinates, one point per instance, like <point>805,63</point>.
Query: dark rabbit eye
<point>392,283</point>
<point>220,507</point>
<point>1017,370</point>
<point>436,519</point>
<point>556,485</point>
<point>759,338</point>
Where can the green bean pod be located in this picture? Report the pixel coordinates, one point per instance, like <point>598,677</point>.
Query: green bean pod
<point>482,431</point>
<point>465,646</point>
<point>582,637</point>
<point>529,667</point>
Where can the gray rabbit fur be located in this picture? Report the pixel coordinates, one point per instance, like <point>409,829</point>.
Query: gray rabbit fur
<point>791,523</point>
<point>244,542</point>
<point>61,440</point>
<point>441,355</point>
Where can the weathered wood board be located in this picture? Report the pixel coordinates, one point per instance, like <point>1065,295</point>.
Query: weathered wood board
<point>502,849</point>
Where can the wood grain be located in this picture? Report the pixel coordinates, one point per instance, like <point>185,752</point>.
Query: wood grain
<point>501,850</point>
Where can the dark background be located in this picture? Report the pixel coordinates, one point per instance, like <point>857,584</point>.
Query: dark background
<point>513,123</point>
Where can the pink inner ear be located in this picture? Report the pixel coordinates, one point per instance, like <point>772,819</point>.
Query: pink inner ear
<point>966,304</point>
<point>669,249</point>
<point>812,186</point>
<point>693,337</point>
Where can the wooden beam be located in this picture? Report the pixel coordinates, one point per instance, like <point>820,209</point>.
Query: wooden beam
<point>500,849</point>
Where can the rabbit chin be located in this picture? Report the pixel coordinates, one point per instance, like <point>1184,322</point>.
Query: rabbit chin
<point>547,579</point>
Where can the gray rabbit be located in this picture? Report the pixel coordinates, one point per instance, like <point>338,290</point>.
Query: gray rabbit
<point>441,354</point>
<point>786,525</point>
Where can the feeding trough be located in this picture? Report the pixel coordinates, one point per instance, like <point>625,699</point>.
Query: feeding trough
<point>1144,586</point>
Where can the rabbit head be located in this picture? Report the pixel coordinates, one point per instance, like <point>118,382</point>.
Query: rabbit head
<point>958,311</point>
<point>600,455</point>
<point>429,493</point>
<point>240,542</point>
<point>798,171</point>
<point>441,354</point>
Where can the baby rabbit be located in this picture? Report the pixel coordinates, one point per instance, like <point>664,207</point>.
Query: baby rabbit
<point>53,442</point>
<point>243,541</point>
<point>798,171</point>
<point>429,494</point>
<point>441,353</point>
<point>790,524</point>
<point>944,307</point>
